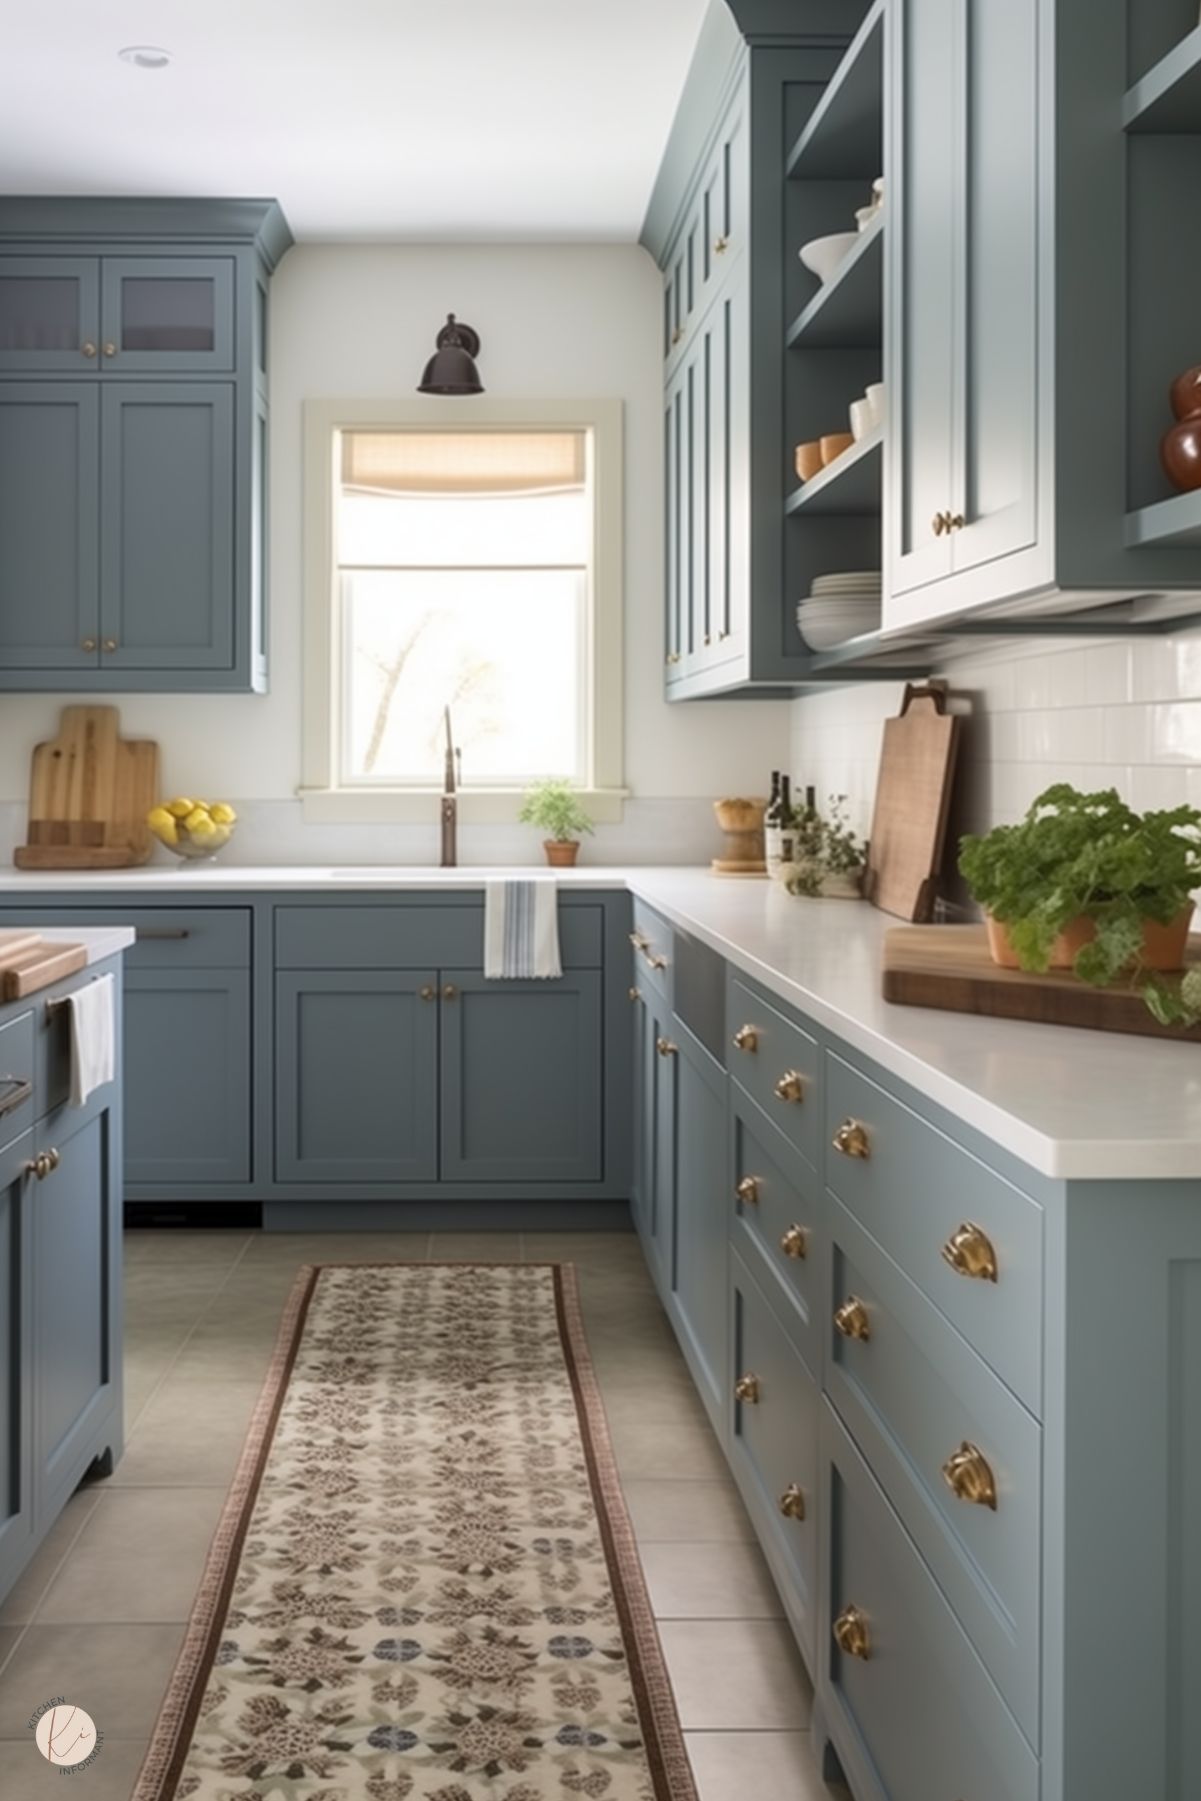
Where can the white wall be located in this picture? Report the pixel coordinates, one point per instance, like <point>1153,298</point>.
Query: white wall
<point>1118,713</point>
<point>361,321</point>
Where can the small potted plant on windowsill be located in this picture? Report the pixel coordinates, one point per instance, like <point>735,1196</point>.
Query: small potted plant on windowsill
<point>554,807</point>
<point>1085,883</point>
<point>828,859</point>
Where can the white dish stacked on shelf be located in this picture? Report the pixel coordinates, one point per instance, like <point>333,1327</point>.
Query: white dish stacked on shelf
<point>839,607</point>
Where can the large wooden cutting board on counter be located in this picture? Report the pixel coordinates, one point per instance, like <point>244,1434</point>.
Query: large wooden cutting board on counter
<point>950,967</point>
<point>913,796</point>
<point>89,793</point>
<point>29,962</point>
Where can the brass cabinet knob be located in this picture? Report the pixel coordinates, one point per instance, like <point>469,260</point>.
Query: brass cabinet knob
<point>428,992</point>
<point>706,639</point>
<point>677,334</point>
<point>792,1502</point>
<point>109,644</point>
<point>88,644</point>
<point>721,245</point>
<point>955,522</point>
<point>53,1159</point>
<point>748,1191</point>
<point>969,1251</point>
<point>795,1242</point>
<point>656,962</point>
<point>638,941</point>
<point>747,1389</point>
<point>635,994</point>
<point>450,992</point>
<point>36,1167</point>
<point>665,1047</point>
<point>968,1475</point>
<point>673,656</point>
<point>851,1634</point>
<point>852,1140</point>
<point>852,1319</point>
<point>791,1086</point>
<point>940,523</point>
<point>110,350</point>
<point>88,348</point>
<point>746,1038</point>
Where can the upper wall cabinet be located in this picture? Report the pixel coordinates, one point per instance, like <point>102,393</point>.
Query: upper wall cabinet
<point>133,412</point>
<point>1039,301</point>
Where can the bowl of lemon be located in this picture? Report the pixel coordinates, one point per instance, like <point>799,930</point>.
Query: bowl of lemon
<point>192,828</point>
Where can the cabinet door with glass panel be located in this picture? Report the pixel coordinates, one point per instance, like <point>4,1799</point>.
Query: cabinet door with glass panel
<point>129,315</point>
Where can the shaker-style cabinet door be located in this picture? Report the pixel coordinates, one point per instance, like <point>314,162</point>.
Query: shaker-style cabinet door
<point>171,315</point>
<point>74,1218</point>
<point>187,1076</point>
<point>521,1079</point>
<point>702,1215</point>
<point>356,1076</point>
<point>49,525</point>
<point>923,484</point>
<point>50,315</point>
<point>167,509</point>
<point>16,1454</point>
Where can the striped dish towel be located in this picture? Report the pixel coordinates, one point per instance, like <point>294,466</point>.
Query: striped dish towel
<point>521,929</point>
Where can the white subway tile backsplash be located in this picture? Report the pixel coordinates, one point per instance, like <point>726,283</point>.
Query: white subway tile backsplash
<point>1127,736</point>
<point>1108,675</point>
<point>1155,786</point>
<point>1167,668</point>
<point>1176,732</point>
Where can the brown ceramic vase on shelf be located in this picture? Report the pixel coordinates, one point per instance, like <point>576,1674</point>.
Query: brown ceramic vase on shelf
<point>1180,446</point>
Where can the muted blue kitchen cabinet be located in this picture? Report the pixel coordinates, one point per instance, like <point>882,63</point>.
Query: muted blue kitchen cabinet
<point>520,1078</point>
<point>49,526</point>
<point>140,519</point>
<point>16,1438</point>
<point>188,1092</point>
<point>654,1131</point>
<point>701,1213</point>
<point>356,1075</point>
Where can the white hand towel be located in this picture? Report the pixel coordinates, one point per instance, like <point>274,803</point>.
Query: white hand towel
<point>521,930</point>
<point>93,1040</point>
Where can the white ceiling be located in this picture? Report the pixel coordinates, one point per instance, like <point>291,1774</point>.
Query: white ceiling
<point>367,119</point>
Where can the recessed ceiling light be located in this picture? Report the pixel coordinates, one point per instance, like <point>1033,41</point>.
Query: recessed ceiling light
<point>145,56</point>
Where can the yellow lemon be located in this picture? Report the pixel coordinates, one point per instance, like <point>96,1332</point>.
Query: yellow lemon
<point>204,829</point>
<point>180,808</point>
<point>222,812</point>
<point>195,819</point>
<point>162,825</point>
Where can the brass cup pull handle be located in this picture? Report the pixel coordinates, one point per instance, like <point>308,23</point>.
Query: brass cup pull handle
<point>665,1047</point>
<point>450,992</point>
<point>969,1251</point>
<point>852,1319</point>
<point>852,1140</point>
<point>88,348</point>
<point>746,1038</point>
<point>792,1502</point>
<point>748,1191</point>
<point>851,1634</point>
<point>428,992</point>
<point>968,1474</point>
<point>791,1086</point>
<point>746,1389</point>
<point>795,1243</point>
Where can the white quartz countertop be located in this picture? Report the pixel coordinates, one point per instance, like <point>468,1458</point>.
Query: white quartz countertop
<point>99,941</point>
<point>1070,1103</point>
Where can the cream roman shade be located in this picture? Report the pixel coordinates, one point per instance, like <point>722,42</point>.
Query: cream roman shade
<point>460,463</point>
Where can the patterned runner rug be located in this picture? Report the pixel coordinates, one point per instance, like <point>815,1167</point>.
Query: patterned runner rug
<point>424,1585</point>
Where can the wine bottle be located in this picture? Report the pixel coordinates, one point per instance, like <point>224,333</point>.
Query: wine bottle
<point>771,826</point>
<point>787,839</point>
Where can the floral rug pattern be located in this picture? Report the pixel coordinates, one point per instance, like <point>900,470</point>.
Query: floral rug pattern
<point>424,1586</point>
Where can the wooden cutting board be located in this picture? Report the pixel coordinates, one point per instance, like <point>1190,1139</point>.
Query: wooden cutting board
<point>949,967</point>
<point>89,793</point>
<point>24,972</point>
<point>913,794</point>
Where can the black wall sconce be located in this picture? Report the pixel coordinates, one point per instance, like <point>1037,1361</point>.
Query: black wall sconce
<point>452,370</point>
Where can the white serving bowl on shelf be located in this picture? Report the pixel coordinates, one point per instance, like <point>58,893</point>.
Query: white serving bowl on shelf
<point>822,256</point>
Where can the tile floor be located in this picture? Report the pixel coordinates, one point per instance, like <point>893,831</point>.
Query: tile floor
<point>99,1614</point>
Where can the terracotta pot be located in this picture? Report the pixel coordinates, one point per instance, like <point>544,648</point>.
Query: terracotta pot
<point>561,853</point>
<point>1163,946</point>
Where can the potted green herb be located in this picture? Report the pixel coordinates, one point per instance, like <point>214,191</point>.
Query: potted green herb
<point>828,859</point>
<point>554,807</point>
<point>1085,883</point>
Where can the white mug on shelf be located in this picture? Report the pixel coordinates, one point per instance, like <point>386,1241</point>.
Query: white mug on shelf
<point>875,397</point>
<point>861,419</point>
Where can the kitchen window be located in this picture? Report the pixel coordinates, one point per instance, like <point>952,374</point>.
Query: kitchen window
<point>461,554</point>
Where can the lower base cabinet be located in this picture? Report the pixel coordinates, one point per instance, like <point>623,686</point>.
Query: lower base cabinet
<point>700,1216</point>
<point>60,1281</point>
<point>188,1076</point>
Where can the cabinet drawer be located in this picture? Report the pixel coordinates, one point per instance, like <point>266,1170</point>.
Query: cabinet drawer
<point>167,937</point>
<point>653,943</point>
<point>918,1719</point>
<point>914,1395</point>
<point>773,1444</point>
<point>776,1203</point>
<point>16,1077</point>
<point>778,1064</point>
<point>913,1191</point>
<point>397,937</point>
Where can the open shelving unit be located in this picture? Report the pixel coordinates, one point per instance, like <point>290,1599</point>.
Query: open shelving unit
<point>1167,98</point>
<point>844,131</point>
<point>848,311</point>
<point>850,486</point>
